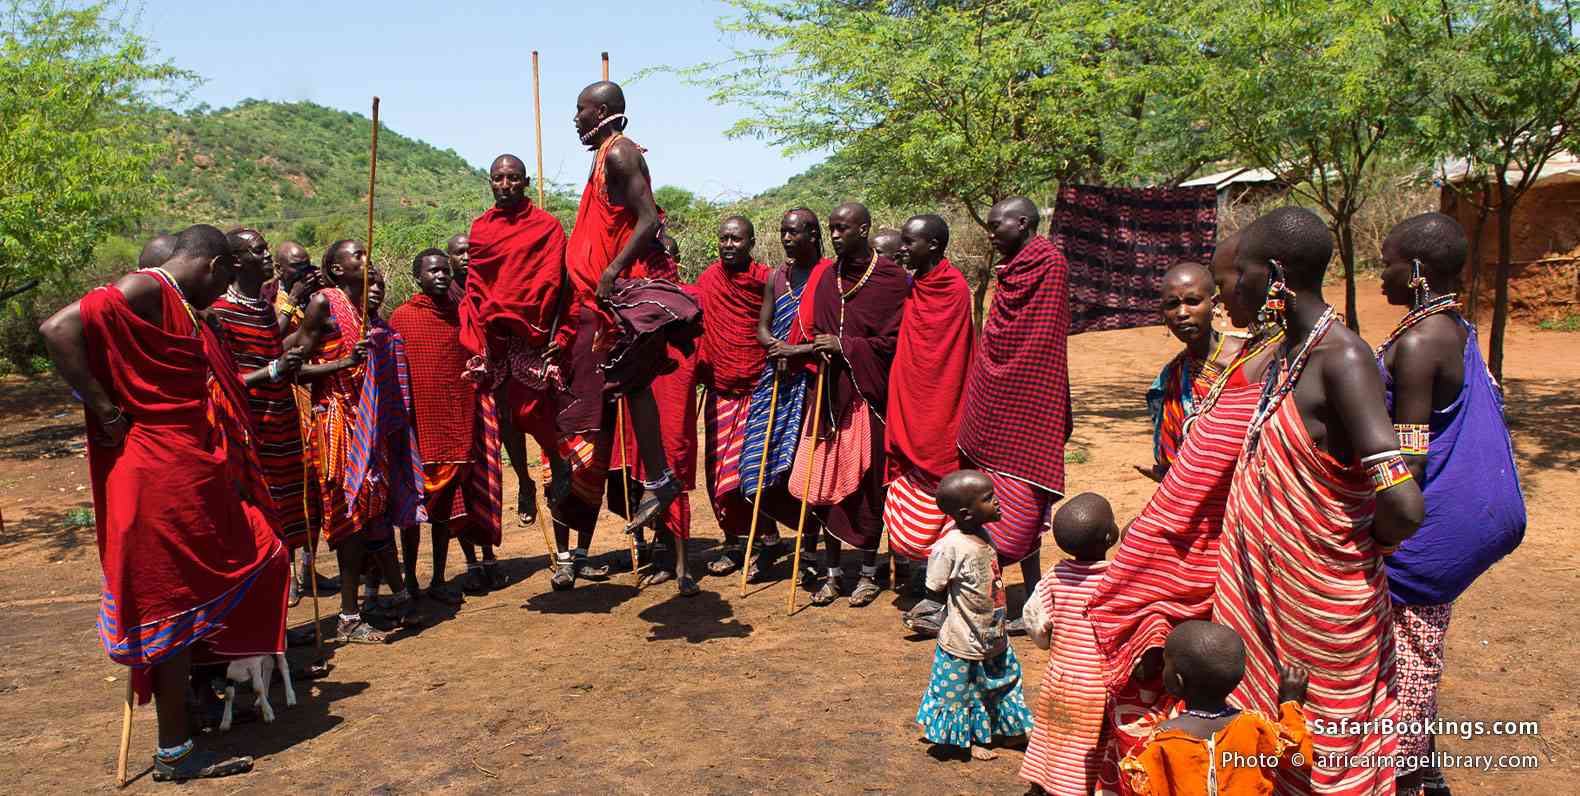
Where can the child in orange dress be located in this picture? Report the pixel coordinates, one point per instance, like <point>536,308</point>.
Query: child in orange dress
<point>1210,747</point>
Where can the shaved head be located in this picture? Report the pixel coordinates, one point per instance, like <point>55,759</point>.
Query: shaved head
<point>1208,658</point>
<point>961,488</point>
<point>1437,240</point>
<point>292,252</point>
<point>848,226</point>
<point>1019,207</point>
<point>1187,274</point>
<point>1297,239</point>
<point>931,226</point>
<point>201,241</point>
<point>743,221</point>
<point>1011,223</point>
<point>457,244</point>
<point>853,212</point>
<point>510,161</point>
<point>157,251</point>
<point>607,94</point>
<point>1082,525</point>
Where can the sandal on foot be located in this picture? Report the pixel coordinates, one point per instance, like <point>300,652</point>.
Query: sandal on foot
<point>443,596</point>
<point>866,591</point>
<point>688,587</point>
<point>527,504</point>
<point>585,568</point>
<point>405,614</point>
<point>359,632</point>
<point>1016,627</point>
<point>493,576</point>
<point>653,504</point>
<point>728,562</point>
<point>564,576</point>
<point>828,594</point>
<point>199,765</point>
<point>473,583</point>
<point>655,577</point>
<point>294,596</point>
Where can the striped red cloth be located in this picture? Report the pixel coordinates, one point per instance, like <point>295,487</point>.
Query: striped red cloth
<point>731,358</point>
<point>724,430</point>
<point>928,377</point>
<point>483,492</point>
<point>912,518</point>
<point>1301,580</point>
<point>250,330</point>
<point>1016,415</point>
<point>1065,752</point>
<point>1023,510</point>
<point>1120,241</point>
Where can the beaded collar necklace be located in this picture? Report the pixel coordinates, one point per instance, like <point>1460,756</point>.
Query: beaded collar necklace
<point>1275,387</point>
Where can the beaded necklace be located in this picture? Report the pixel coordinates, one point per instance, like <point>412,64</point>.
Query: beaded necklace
<point>1252,351</point>
<point>186,305</point>
<point>1210,714</point>
<point>1275,388</point>
<point>844,294</point>
<point>235,296</point>
<point>1448,302</point>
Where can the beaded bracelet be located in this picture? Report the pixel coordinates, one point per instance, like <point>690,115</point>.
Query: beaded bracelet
<point>1414,438</point>
<point>1387,470</point>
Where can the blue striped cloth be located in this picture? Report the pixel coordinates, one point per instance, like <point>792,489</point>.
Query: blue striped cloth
<point>787,417</point>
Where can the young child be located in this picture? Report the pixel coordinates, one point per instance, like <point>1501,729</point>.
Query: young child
<point>1210,747</point>
<point>1065,754</point>
<point>975,690</point>
<point>1186,303</point>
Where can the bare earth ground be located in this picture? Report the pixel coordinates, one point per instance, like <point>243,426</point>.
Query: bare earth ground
<point>605,689</point>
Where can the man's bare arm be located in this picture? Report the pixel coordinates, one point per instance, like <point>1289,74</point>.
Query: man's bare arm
<point>63,338</point>
<point>624,163</point>
<point>1355,392</point>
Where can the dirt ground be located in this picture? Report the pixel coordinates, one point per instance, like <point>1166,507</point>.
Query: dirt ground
<point>607,689</point>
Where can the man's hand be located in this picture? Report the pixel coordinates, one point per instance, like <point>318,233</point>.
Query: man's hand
<point>606,285</point>
<point>1154,472</point>
<point>1293,680</point>
<point>290,362</point>
<point>827,345</point>
<point>359,353</point>
<point>112,433</point>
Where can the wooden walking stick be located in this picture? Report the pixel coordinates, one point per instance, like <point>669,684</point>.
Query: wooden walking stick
<point>806,491</point>
<point>625,484</point>
<point>537,121</point>
<point>373,171</point>
<point>126,735</point>
<point>606,67</point>
<point>762,470</point>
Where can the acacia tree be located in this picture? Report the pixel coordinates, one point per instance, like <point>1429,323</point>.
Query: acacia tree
<point>964,103</point>
<point>1320,92</point>
<point>1509,100</point>
<point>74,155</point>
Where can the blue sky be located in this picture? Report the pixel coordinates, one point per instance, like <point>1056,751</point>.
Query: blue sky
<point>458,75</point>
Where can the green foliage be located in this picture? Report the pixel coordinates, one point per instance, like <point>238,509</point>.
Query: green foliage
<point>1568,323</point>
<point>74,153</point>
<point>79,517</point>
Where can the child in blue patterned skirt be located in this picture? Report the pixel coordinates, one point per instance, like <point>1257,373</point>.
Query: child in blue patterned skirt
<point>975,690</point>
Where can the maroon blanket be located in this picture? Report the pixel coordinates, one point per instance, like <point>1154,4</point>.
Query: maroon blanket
<point>868,325</point>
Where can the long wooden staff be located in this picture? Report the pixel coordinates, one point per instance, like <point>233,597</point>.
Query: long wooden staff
<point>625,483</point>
<point>373,171</point>
<point>762,470</point>
<point>806,491</point>
<point>606,67</point>
<point>537,120</point>
<point>126,735</point>
<point>319,666</point>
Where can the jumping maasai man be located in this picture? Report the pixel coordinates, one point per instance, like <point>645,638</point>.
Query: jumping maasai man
<point>925,389</point>
<point>1166,567</point>
<point>1448,415</point>
<point>193,569</point>
<point>779,322</point>
<point>853,312</point>
<point>1320,494</point>
<point>370,472</point>
<point>732,358</point>
<point>515,258</point>
<point>624,320</point>
<point>1186,305</point>
<point>1016,415</point>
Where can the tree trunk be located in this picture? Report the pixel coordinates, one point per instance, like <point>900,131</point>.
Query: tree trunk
<point>1347,255</point>
<point>1476,265</point>
<point>1500,295</point>
<point>979,292</point>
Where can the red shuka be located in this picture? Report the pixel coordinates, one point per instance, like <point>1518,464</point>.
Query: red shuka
<point>186,544</point>
<point>513,282</point>
<point>601,232</point>
<point>731,358</point>
<point>928,379</point>
<point>444,404</point>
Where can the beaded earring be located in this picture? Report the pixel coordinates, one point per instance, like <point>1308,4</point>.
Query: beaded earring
<point>1418,284</point>
<point>1278,300</point>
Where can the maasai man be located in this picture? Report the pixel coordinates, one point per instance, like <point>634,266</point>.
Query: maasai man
<point>623,320</point>
<point>192,566</point>
<point>370,472</point>
<point>444,408</point>
<point>886,242</point>
<point>157,251</point>
<point>1186,304</point>
<point>250,329</point>
<point>1016,415</point>
<point>925,389</point>
<point>458,251</point>
<point>1320,493</point>
<point>779,321</point>
<point>513,321</point>
<point>1448,415</point>
<point>1166,567</point>
<point>731,292</point>
<point>853,312</point>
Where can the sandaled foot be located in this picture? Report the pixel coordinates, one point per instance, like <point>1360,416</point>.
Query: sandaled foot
<point>655,577</point>
<point>1016,627</point>
<point>982,753</point>
<point>653,504</point>
<point>828,594</point>
<point>585,568</point>
<point>728,562</point>
<point>564,576</point>
<point>443,596</point>
<point>359,632</point>
<point>493,576</point>
<point>527,504</point>
<point>688,587</point>
<point>405,613</point>
<point>925,618</point>
<point>197,764</point>
<point>866,591</point>
<point>473,583</point>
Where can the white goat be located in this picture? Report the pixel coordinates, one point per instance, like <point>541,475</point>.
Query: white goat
<point>257,670</point>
